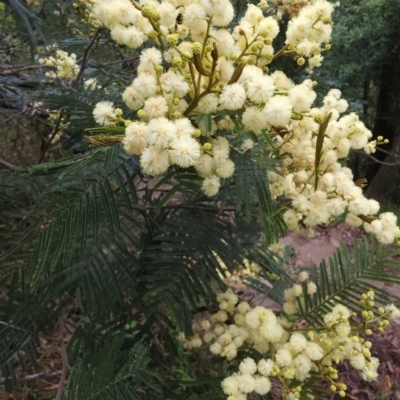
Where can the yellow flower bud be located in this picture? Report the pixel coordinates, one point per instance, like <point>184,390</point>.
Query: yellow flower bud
<point>176,115</point>
<point>118,112</point>
<point>152,35</point>
<point>233,57</point>
<point>301,61</point>
<point>197,48</point>
<point>197,133</point>
<point>207,147</point>
<point>342,393</point>
<point>263,4</point>
<point>141,114</point>
<point>172,40</point>
<point>333,388</point>
<point>176,62</point>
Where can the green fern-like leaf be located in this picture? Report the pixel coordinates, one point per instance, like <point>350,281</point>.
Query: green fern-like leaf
<point>107,374</point>
<point>347,277</point>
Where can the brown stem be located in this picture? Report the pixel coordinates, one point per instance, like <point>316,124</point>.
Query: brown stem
<point>85,59</point>
<point>47,145</point>
<point>64,357</point>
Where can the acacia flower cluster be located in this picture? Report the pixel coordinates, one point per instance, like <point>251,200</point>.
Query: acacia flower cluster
<point>200,77</point>
<point>287,353</point>
<point>65,65</point>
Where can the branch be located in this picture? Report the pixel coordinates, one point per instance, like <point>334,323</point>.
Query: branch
<point>387,152</point>
<point>85,59</point>
<point>64,357</point>
<point>27,378</point>
<point>375,159</point>
<point>8,165</point>
<point>47,145</point>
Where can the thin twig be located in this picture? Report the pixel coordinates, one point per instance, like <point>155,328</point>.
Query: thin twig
<point>12,117</point>
<point>85,59</point>
<point>8,165</point>
<point>27,378</point>
<point>376,160</point>
<point>64,357</point>
<point>387,152</point>
<point>48,143</point>
<point>17,328</point>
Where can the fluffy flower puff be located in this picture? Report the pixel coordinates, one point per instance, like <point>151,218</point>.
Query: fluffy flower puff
<point>132,98</point>
<point>211,185</point>
<point>283,357</point>
<point>262,385</point>
<point>155,107</point>
<point>135,138</point>
<point>104,112</point>
<point>220,149</point>
<point>168,14</point>
<point>254,119</point>
<point>230,385</point>
<point>193,15</point>
<point>119,12</point>
<point>129,36</point>
<point>225,169</point>
<point>248,366</point>
<point>264,367</point>
<point>174,84</point>
<point>154,161</point>
<point>161,132</point>
<point>145,84</point>
<point>260,315</point>
<point>298,342</point>
<point>302,98</point>
<point>204,165</point>
<point>223,18</point>
<point>224,42</point>
<point>221,10</point>
<point>151,56</point>
<point>208,104</point>
<point>232,97</point>
<point>314,351</point>
<point>184,151</point>
<point>281,81</point>
<point>268,27</point>
<point>260,89</point>
<point>225,69</point>
<point>247,145</point>
<point>395,312</point>
<point>184,127</point>
<point>250,72</point>
<point>278,111</point>
<point>302,365</point>
<point>246,383</point>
